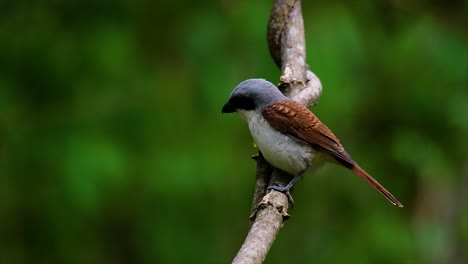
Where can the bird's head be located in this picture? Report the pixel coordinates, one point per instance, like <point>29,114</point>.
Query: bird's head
<point>252,95</point>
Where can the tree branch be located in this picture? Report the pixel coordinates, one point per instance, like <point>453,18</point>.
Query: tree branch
<point>262,180</point>
<point>286,42</point>
<point>287,47</point>
<point>271,213</point>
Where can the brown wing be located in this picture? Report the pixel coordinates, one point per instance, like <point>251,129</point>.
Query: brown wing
<point>296,120</point>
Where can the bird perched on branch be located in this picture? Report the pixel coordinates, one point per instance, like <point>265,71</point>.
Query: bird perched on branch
<point>290,136</point>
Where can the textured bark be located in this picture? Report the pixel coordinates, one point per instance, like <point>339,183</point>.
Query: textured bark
<point>262,181</point>
<point>286,43</point>
<point>271,213</point>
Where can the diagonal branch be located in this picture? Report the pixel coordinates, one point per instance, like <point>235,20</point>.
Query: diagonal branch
<point>286,43</point>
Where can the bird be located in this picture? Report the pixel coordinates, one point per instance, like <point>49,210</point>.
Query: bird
<point>290,136</point>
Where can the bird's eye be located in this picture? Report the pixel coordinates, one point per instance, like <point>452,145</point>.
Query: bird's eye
<point>243,102</point>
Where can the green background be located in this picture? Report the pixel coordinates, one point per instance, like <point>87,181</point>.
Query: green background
<point>113,148</point>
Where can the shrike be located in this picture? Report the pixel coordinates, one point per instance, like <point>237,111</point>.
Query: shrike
<point>289,135</point>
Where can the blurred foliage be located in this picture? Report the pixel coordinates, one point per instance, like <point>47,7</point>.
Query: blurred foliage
<point>113,148</point>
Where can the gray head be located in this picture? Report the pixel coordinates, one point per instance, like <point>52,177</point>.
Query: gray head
<point>253,94</point>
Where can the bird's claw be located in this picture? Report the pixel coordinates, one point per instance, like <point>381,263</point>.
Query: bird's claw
<point>285,190</point>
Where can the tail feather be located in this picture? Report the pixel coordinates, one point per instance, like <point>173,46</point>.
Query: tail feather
<point>374,183</point>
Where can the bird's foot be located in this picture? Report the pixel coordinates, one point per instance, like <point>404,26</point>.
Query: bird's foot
<point>285,190</point>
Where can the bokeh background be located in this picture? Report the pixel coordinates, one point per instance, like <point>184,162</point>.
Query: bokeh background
<point>113,148</point>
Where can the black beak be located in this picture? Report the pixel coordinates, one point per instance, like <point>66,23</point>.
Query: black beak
<point>228,108</point>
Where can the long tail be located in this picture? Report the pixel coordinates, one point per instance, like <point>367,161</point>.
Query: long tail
<point>374,183</point>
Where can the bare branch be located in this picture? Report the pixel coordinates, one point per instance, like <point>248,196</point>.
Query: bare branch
<point>311,92</point>
<point>286,43</point>
<point>279,16</point>
<point>268,221</point>
<point>262,181</point>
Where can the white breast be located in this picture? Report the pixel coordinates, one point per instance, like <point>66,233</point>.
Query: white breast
<point>280,150</point>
